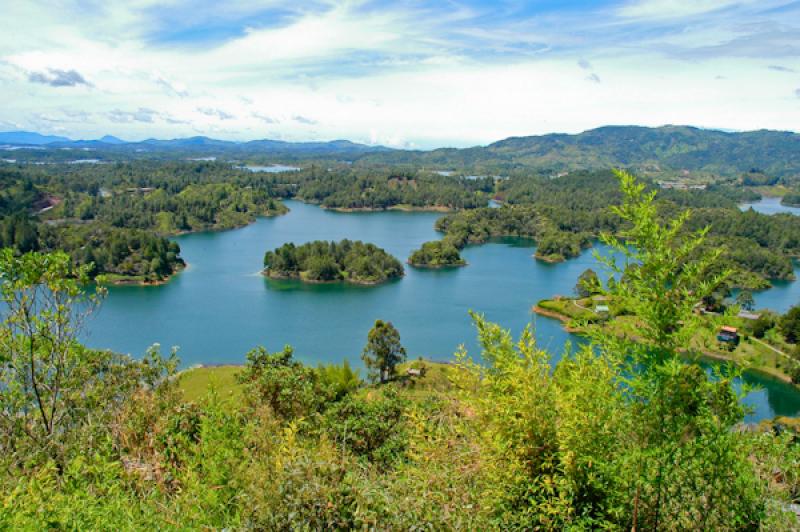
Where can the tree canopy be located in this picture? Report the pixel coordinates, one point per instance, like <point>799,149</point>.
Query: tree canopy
<point>319,261</point>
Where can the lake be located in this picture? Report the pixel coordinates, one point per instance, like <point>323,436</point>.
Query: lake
<point>783,294</point>
<point>770,205</point>
<point>221,306</point>
<point>271,169</point>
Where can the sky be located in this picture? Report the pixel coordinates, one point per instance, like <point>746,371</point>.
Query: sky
<point>402,74</point>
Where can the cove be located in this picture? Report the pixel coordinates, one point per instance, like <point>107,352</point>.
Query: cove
<point>220,306</point>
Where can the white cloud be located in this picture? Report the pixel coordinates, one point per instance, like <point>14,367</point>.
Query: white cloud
<point>664,9</point>
<point>391,76</point>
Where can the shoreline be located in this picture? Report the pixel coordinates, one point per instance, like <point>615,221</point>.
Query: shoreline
<point>549,259</point>
<point>399,208</point>
<point>564,319</point>
<point>436,266</point>
<point>299,278</point>
<point>130,281</point>
<point>222,229</point>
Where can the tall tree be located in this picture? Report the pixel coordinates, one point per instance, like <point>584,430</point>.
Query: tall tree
<point>745,300</point>
<point>588,283</point>
<point>383,351</point>
<point>53,388</point>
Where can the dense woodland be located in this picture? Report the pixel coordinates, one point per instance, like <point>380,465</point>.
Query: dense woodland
<point>350,261</point>
<point>623,434</point>
<point>382,189</point>
<point>565,214</point>
<point>661,152</point>
<point>47,206</point>
<point>117,217</point>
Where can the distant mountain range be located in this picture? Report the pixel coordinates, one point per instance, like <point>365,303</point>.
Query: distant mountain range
<point>667,149</point>
<point>654,150</point>
<point>27,138</point>
<point>204,145</point>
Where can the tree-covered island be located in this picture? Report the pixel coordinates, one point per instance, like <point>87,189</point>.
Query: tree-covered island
<point>319,261</point>
<point>437,254</point>
<point>477,226</point>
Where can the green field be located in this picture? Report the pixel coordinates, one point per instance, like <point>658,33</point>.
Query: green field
<point>196,383</point>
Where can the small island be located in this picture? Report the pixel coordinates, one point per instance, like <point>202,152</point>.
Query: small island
<point>437,254</point>
<point>320,262</point>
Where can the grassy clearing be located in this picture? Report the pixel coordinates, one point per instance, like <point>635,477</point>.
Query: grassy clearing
<point>196,383</point>
<point>750,353</point>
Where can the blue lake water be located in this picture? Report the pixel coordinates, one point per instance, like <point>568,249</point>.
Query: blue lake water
<point>271,169</point>
<point>221,306</point>
<point>770,205</point>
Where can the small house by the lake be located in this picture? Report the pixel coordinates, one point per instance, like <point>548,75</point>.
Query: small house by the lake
<point>728,335</point>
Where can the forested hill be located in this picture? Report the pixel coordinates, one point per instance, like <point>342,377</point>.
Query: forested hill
<point>662,151</point>
<point>648,150</point>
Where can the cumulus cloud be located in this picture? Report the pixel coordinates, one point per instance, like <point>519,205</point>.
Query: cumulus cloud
<point>430,73</point>
<point>58,78</point>
<point>216,113</point>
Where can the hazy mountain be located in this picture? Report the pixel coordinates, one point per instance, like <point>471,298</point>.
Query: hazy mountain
<point>111,139</point>
<point>110,147</point>
<point>27,138</point>
<point>662,150</point>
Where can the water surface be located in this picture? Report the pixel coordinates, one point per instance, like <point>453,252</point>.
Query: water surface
<point>770,205</point>
<point>221,307</point>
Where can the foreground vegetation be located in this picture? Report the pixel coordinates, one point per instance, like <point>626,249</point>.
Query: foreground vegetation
<point>319,261</point>
<point>623,434</point>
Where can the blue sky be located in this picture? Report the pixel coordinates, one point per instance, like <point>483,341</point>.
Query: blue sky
<point>410,74</point>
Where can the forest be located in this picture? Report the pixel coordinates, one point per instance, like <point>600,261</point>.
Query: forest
<point>625,433</point>
<point>566,214</point>
<point>349,261</point>
<point>379,188</point>
<point>563,214</point>
<point>125,212</point>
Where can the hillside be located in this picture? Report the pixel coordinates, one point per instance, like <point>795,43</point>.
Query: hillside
<point>658,152</point>
<point>655,151</point>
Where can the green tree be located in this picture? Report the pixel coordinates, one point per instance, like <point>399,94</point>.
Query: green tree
<point>745,300</point>
<point>683,433</point>
<point>383,351</point>
<point>291,389</point>
<point>789,325</point>
<point>56,392</point>
<point>764,323</point>
<point>588,284</point>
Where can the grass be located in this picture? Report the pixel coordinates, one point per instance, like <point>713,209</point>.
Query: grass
<point>196,383</point>
<point>435,378</point>
<point>749,353</point>
<point>568,308</point>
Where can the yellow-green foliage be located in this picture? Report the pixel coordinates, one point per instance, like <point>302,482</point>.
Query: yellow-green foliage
<point>196,383</point>
<point>621,435</point>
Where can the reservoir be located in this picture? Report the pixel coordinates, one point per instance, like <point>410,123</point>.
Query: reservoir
<point>220,306</point>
